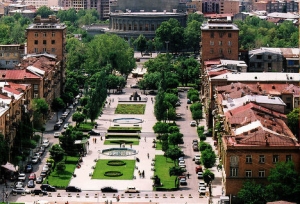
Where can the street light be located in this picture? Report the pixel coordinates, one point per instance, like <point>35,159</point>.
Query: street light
<point>167,43</point>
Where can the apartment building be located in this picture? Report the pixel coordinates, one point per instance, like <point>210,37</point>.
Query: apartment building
<point>39,3</point>
<point>276,6</point>
<point>11,55</point>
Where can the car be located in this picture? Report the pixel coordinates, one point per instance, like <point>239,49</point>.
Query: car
<point>178,115</point>
<point>38,154</point>
<point>92,132</point>
<point>38,192</point>
<point>20,190</point>
<point>32,176</point>
<point>19,184</point>
<point>197,161</point>
<point>46,143</point>
<point>70,107</point>
<point>56,134</point>
<point>45,168</point>
<point>66,125</point>
<point>47,187</point>
<point>193,123</point>
<point>195,141</point>
<point>131,190</point>
<point>178,103</point>
<point>22,177</point>
<point>180,159</point>
<point>198,169</point>
<point>72,189</point>
<point>44,174</point>
<point>181,162</point>
<point>200,175</point>
<point>201,184</point>
<point>152,92</point>
<point>108,189</point>
<point>182,182</point>
<point>189,101</point>
<point>197,156</point>
<point>39,180</point>
<point>182,166</point>
<point>57,126</point>
<point>28,168</point>
<point>208,133</point>
<point>195,148</point>
<point>135,86</point>
<point>31,184</point>
<point>202,190</point>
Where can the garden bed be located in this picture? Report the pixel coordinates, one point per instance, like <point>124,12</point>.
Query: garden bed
<point>130,109</point>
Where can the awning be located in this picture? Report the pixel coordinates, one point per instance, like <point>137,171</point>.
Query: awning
<point>9,167</point>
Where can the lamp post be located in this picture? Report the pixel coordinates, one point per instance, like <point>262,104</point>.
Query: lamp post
<point>167,43</point>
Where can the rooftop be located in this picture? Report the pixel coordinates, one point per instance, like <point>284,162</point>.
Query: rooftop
<point>219,25</point>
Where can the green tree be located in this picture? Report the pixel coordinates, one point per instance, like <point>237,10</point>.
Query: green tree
<point>44,12</point>
<point>175,138</point>
<point>160,128</point>
<point>176,171</point>
<point>57,153</point>
<point>204,145</point>
<point>293,121</point>
<point>208,158</point>
<point>140,43</point>
<point>78,118</point>
<point>4,150</point>
<point>40,108</point>
<point>171,33</point>
<point>252,193</point>
<point>208,177</point>
<point>57,104</point>
<point>159,106</point>
<point>192,35</point>
<point>61,166</point>
<point>174,153</point>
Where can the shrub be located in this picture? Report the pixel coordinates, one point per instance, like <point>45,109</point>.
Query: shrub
<point>113,173</point>
<point>204,146</point>
<point>116,163</point>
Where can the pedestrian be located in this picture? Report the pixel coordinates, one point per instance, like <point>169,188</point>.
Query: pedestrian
<point>148,155</point>
<point>187,107</point>
<point>118,198</point>
<point>143,174</point>
<point>140,173</point>
<point>131,146</point>
<point>145,139</point>
<point>188,175</point>
<point>95,140</point>
<point>101,138</point>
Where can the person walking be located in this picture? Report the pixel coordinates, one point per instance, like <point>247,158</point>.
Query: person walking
<point>148,155</point>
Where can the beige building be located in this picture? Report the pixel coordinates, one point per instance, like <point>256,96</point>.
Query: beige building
<point>39,3</point>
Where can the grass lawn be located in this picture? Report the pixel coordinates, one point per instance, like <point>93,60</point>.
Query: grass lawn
<point>162,171</point>
<point>127,142</point>
<point>158,145</point>
<point>101,167</point>
<point>62,179</point>
<point>130,109</point>
<point>87,125</point>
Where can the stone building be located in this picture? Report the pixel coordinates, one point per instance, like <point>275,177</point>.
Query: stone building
<point>11,55</point>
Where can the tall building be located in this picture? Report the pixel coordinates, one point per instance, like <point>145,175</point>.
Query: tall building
<point>39,3</point>
<point>48,36</point>
<point>220,6</point>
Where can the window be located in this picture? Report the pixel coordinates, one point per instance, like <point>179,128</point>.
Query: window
<point>229,35</point>
<point>36,42</point>
<point>135,26</point>
<point>53,34</point>
<point>220,42</point>
<point>129,26</point>
<point>36,50</point>
<point>229,51</point>
<point>261,158</point>
<point>53,50</point>
<point>44,34</point>
<point>220,51</point>
<point>152,27</point>
<point>7,54</point>
<point>211,50</point>
<point>1,54</point>
<point>288,158</point>
<point>211,42</point>
<point>258,56</point>
<point>36,34</point>
<point>52,42</point>
<point>35,95</point>
<point>290,62</point>
<point>44,49</point>
<point>229,43</point>
<point>275,158</point>
<point>221,35</point>
<point>35,87</point>
<point>269,57</point>
<point>146,27</point>
<point>44,42</point>
<point>248,173</point>
<point>261,173</point>
<point>234,161</point>
<point>212,35</point>
<point>233,172</point>
<point>248,159</point>
<point>6,62</point>
<point>141,26</point>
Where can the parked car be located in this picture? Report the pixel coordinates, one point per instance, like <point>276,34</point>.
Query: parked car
<point>66,125</point>
<point>56,134</point>
<point>31,184</point>
<point>208,133</point>
<point>201,184</point>
<point>152,92</point>
<point>22,177</point>
<point>178,116</point>
<point>202,190</point>
<point>46,168</point>
<point>195,141</point>
<point>44,174</point>
<point>198,169</point>
<point>193,123</point>
<point>19,184</point>
<point>28,168</point>
<point>73,189</point>
<point>39,179</point>
<point>108,189</point>
<point>38,192</point>
<point>197,156</point>
<point>189,101</point>
<point>181,162</point>
<point>47,187</point>
<point>180,159</point>
<point>178,103</point>
<point>57,126</point>
<point>45,143</point>
<point>20,190</point>
<point>195,148</point>
<point>32,176</point>
<point>135,86</point>
<point>131,190</point>
<point>35,159</point>
<point>92,132</point>
<point>182,182</point>
<point>200,175</point>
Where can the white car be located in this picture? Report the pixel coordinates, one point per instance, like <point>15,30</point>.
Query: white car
<point>200,175</point>
<point>66,125</point>
<point>22,177</point>
<point>196,157</point>
<point>181,162</point>
<point>56,134</point>
<point>202,190</point>
<point>180,159</point>
<point>45,168</point>
<point>201,184</point>
<point>45,143</point>
<point>19,184</point>
<point>193,123</point>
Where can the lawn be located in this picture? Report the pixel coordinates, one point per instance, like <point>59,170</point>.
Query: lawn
<point>119,141</point>
<point>130,109</point>
<point>102,167</point>
<point>162,171</point>
<point>62,179</point>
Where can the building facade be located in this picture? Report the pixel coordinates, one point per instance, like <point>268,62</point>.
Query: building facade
<point>11,55</point>
<point>220,6</point>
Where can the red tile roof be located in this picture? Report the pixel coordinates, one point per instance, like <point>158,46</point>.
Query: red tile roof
<point>17,75</point>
